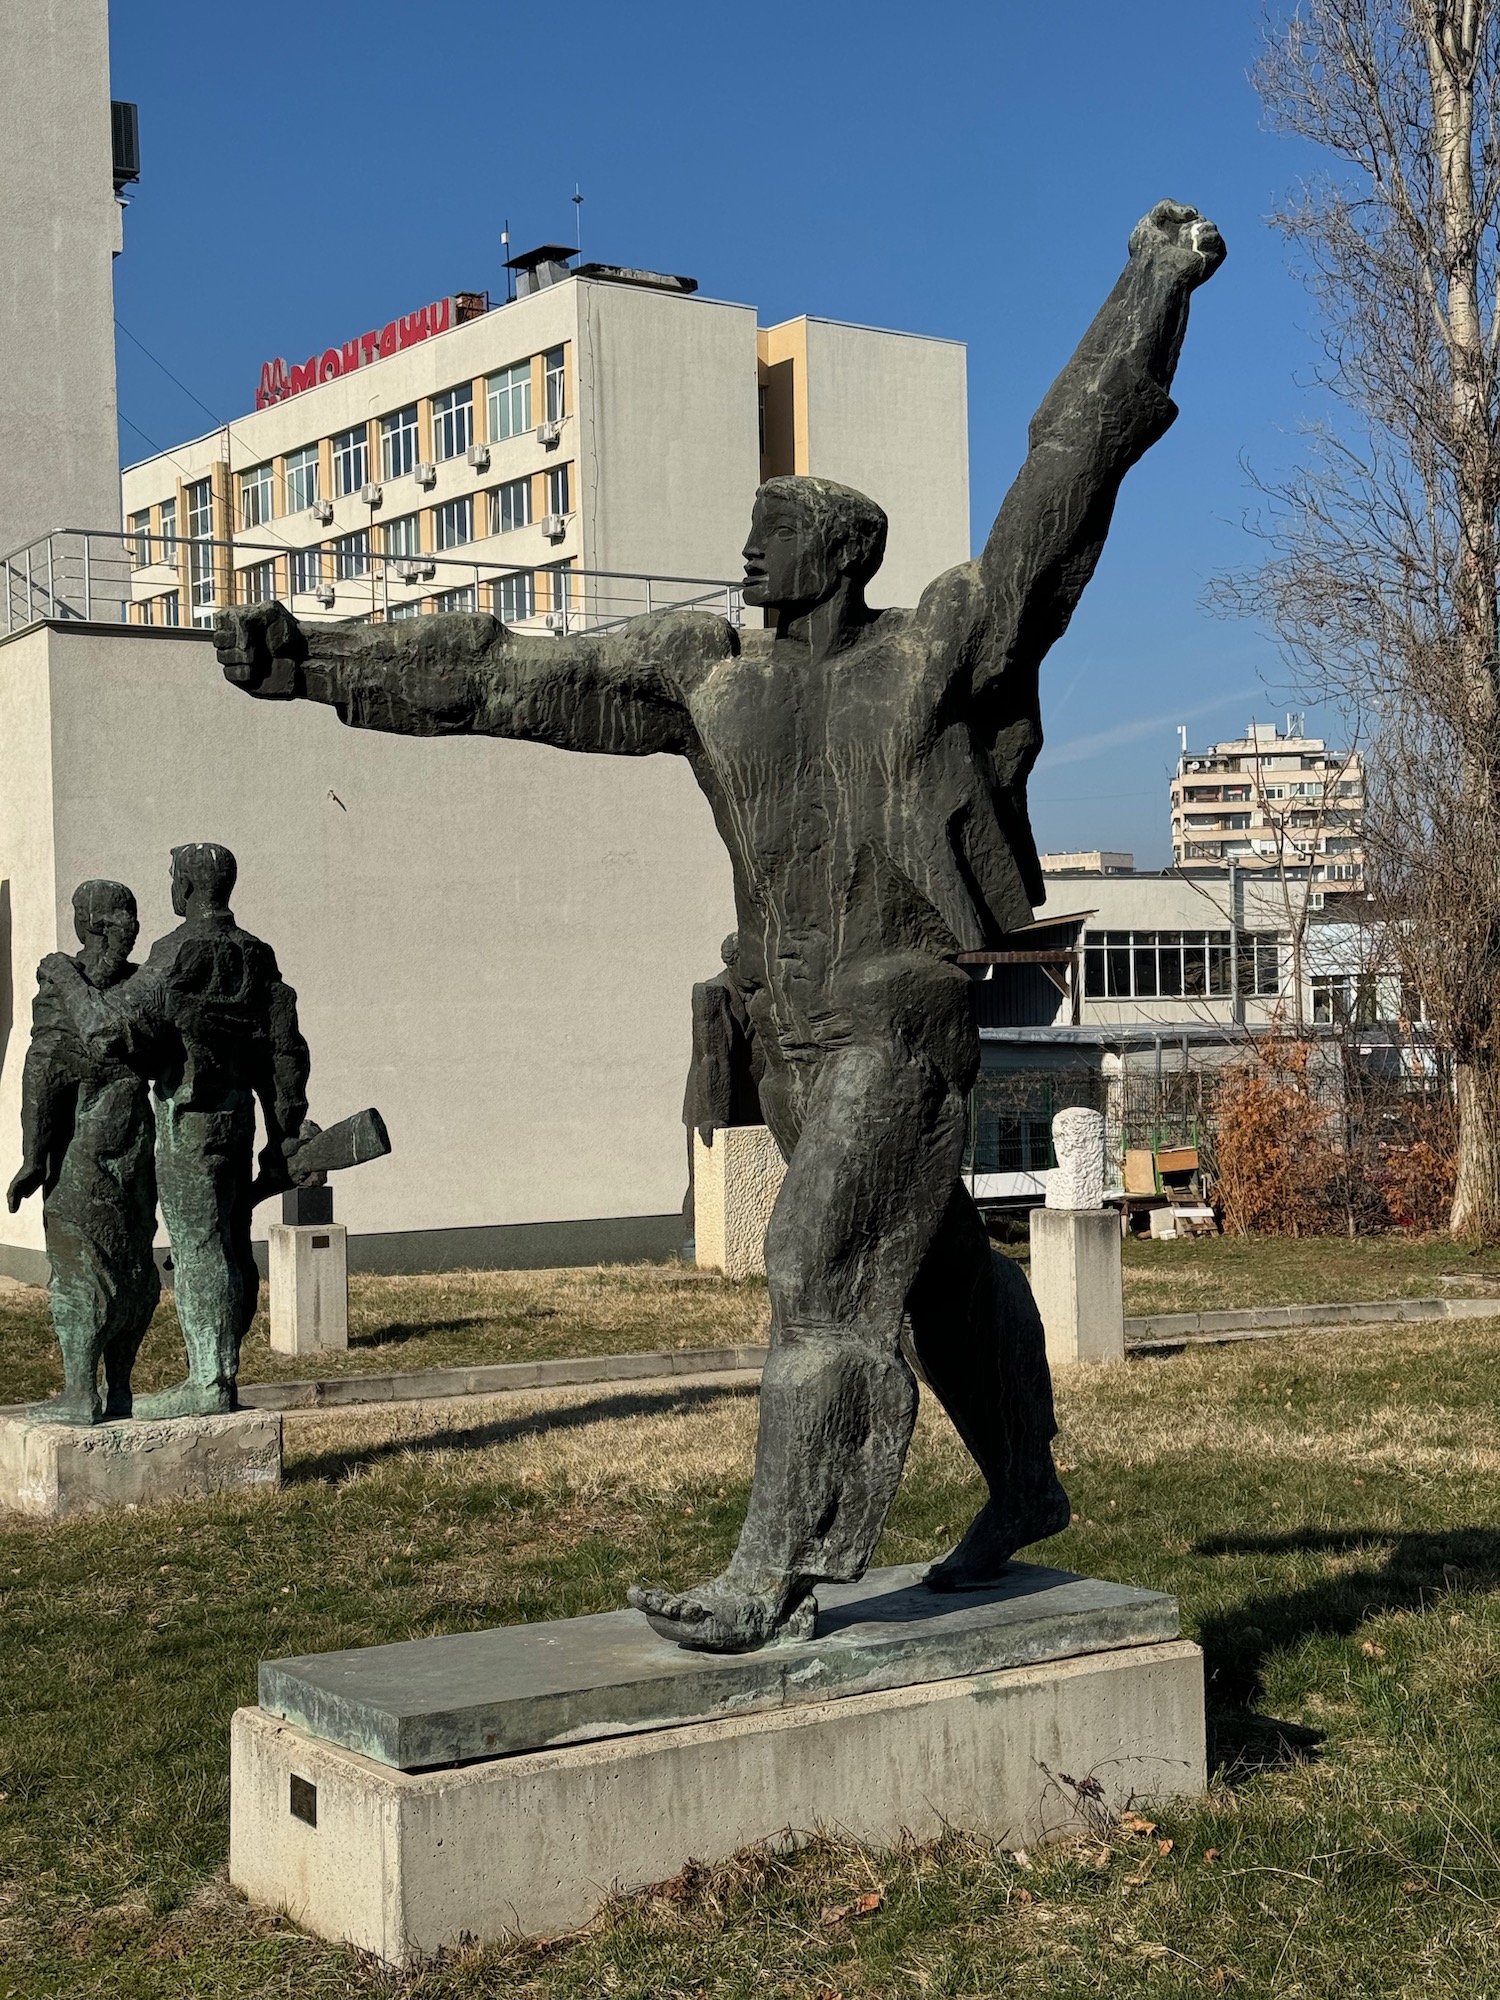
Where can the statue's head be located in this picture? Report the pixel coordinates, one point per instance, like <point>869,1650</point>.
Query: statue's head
<point>104,917</point>
<point>807,536</point>
<point>203,875</point>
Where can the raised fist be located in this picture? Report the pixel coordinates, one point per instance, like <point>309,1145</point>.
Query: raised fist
<point>260,650</point>
<point>1184,245</point>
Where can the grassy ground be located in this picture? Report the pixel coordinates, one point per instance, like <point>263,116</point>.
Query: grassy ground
<point>463,1317</point>
<point>1319,1505</point>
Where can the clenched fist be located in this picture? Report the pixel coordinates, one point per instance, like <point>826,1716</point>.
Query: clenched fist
<point>261,650</point>
<point>1184,245</point>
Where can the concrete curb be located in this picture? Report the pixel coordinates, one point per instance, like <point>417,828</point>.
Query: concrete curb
<point>1172,1329</point>
<point>1159,1330</point>
<point>428,1384</point>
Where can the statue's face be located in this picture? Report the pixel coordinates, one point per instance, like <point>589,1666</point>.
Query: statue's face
<point>788,564</point>
<point>110,940</point>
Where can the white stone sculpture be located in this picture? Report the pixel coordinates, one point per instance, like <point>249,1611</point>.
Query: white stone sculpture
<point>1077,1181</point>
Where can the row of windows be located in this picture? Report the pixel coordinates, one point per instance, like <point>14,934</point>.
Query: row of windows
<point>1171,965</point>
<point>510,598</point>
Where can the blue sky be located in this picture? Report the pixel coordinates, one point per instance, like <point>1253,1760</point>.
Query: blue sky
<point>971,171</point>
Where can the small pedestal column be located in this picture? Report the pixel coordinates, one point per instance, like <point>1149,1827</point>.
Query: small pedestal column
<point>1075,1249</point>
<point>309,1275</point>
<point>735,1184</point>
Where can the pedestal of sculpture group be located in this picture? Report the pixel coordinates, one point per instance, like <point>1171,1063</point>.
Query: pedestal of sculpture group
<point>735,1184</point>
<point>1075,1273</point>
<point>308,1270</point>
<point>53,1471</point>
<point>403,1797</point>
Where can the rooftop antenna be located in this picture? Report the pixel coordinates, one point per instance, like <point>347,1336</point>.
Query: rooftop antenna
<point>578,218</point>
<point>510,276</point>
<point>1182,734</point>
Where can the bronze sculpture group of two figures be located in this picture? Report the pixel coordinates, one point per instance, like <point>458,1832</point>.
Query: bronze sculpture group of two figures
<point>141,1084</point>
<point>867,773</point>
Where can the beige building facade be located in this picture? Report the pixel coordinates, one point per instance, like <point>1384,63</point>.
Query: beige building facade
<point>1270,802</point>
<point>544,458</point>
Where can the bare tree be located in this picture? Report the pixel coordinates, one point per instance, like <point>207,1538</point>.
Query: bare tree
<point>1381,578</point>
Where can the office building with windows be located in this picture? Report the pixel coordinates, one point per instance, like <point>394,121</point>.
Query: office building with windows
<point>1275,803</point>
<point>580,454</point>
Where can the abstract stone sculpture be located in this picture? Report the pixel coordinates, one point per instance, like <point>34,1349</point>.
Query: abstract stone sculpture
<point>212,1017</point>
<point>867,771</point>
<point>87,1139</point>
<point>1077,1181</point>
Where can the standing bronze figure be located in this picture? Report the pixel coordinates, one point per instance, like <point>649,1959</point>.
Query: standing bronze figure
<point>867,771</point>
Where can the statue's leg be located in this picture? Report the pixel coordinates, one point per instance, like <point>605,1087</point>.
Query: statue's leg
<point>978,1337</point>
<point>80,1299</point>
<point>203,1164</point>
<point>135,1302</point>
<point>866,1188</point>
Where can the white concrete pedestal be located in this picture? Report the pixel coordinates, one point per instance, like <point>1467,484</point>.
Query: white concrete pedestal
<point>57,1470</point>
<point>402,1863</point>
<point>1077,1283</point>
<point>735,1184</point>
<point>309,1285</point>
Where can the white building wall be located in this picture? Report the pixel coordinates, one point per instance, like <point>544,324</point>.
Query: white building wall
<point>888,413</point>
<point>59,229</point>
<point>669,453</point>
<point>493,942</point>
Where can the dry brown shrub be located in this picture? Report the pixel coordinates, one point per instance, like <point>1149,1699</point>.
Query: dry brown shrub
<point>1278,1171</point>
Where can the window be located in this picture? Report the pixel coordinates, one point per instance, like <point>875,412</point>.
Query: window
<point>510,506</point>
<point>558,490</point>
<point>562,584</point>
<point>412,610</point>
<point>200,527</point>
<point>515,596</point>
<point>1346,1000</point>
<point>169,533</point>
<point>146,611</point>
<point>510,401</point>
<point>553,376</point>
<point>454,522</point>
<point>351,459</point>
<point>398,442</point>
<point>257,496</point>
<point>307,570</point>
<point>402,537</point>
<point>1175,965</point>
<point>301,479</point>
<point>257,583</point>
<point>140,533</point>
<point>456,600</point>
<point>171,608</point>
<point>453,422</point>
<point>351,555</point>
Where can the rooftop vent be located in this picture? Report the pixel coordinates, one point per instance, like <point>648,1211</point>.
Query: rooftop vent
<point>125,136</point>
<point>536,269</point>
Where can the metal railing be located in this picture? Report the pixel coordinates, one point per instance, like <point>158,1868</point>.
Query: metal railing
<point>110,576</point>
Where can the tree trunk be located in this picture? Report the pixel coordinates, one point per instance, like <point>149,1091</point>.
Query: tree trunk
<point>1476,1192</point>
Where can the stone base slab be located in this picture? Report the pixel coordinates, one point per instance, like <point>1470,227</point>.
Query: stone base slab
<point>53,1471</point>
<point>401,1864</point>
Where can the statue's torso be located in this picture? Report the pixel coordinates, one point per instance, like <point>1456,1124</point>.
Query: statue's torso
<point>108,1158</point>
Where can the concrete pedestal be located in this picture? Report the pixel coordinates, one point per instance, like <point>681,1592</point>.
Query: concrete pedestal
<point>866,1729</point>
<point>57,1470</point>
<point>1077,1283</point>
<point>735,1184</point>
<point>309,1285</point>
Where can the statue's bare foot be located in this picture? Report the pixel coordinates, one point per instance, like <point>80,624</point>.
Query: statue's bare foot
<point>68,1410</point>
<point>984,1555</point>
<point>188,1399</point>
<point>1183,244</point>
<point>725,1616</point>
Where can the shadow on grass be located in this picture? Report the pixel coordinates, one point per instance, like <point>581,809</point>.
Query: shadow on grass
<point>402,1330</point>
<point>1415,1568</point>
<point>336,1465</point>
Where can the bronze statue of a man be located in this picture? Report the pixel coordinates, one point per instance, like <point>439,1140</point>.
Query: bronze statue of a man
<point>867,771</point>
<point>87,1137</point>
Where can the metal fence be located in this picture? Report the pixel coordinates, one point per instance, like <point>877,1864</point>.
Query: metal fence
<point>111,577</point>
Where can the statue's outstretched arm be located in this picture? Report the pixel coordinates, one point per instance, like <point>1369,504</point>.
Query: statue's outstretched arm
<point>48,1086</point>
<point>1104,412</point>
<point>450,675</point>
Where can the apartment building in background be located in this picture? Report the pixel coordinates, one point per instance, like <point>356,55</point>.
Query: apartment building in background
<point>582,453</point>
<point>1271,802</point>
